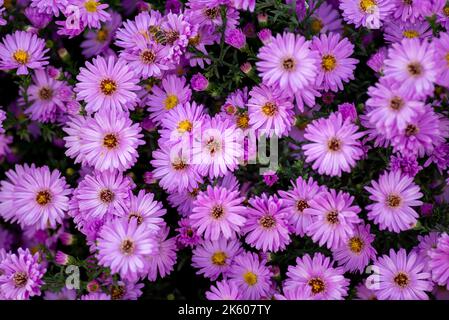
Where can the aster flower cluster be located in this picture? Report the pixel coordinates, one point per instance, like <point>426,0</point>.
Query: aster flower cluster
<point>271,149</point>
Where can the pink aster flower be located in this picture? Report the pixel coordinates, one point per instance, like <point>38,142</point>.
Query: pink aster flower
<point>107,84</point>
<point>334,218</point>
<point>214,258</point>
<point>270,178</point>
<point>249,5</point>
<point>266,226</point>
<point>364,293</point>
<point>223,290</point>
<point>92,12</point>
<point>126,290</point>
<point>270,111</point>
<point>439,263</point>
<point>427,243</point>
<point>251,275</point>
<point>367,13</point>
<point>38,19</point>
<point>336,65</point>
<point>288,62</point>
<point>177,30</point>
<point>183,201</point>
<point>162,261</point>
<point>402,277</point>
<point>63,294</point>
<point>348,111</point>
<point>411,63</point>
<point>334,145</point>
<point>297,200</point>
<point>187,235</point>
<point>41,198</point>
<point>50,7</point>
<point>441,55</point>
<point>396,31</point>
<point>172,93</point>
<point>74,127</point>
<point>408,165</point>
<point>218,212</point>
<point>394,195</point>
<point>109,141</point>
<point>411,10</point>
<point>316,279</point>
<point>123,245</point>
<point>21,276</point>
<point>356,253</point>
<point>22,51</point>
<point>325,19</point>
<point>376,61</point>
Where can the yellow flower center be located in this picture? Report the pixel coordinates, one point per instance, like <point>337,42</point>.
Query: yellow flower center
<point>184,126</point>
<point>316,25</point>
<point>269,109</point>
<point>127,247</point>
<point>217,212</point>
<point>414,69</point>
<point>288,64</point>
<point>332,217</point>
<point>334,144</point>
<point>393,201</point>
<point>219,258</point>
<point>102,35</point>
<point>328,63</point>
<point>179,164</point>
<point>108,87</point>
<point>43,197</point>
<point>367,5</point>
<point>447,58</point>
<point>410,34</point>
<point>243,120</point>
<point>170,102</point>
<point>267,222</point>
<point>21,56</point>
<point>446,11</point>
<point>250,278</point>
<point>317,285</point>
<point>110,141</point>
<point>91,6</point>
<point>356,244</point>
<point>45,93</point>
<point>148,56</point>
<point>401,279</point>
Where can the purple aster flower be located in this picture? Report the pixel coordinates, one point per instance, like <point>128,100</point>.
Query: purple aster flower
<point>50,7</point>
<point>22,50</point>
<point>439,156</point>
<point>411,63</point>
<point>223,290</point>
<point>266,226</point>
<point>348,111</point>
<point>441,55</point>
<point>218,212</point>
<point>183,200</point>
<point>376,61</point>
<point>412,11</point>
<point>336,65</point>
<point>438,263</point>
<point>214,258</point>
<point>126,290</point>
<point>426,244</point>
<point>249,5</point>
<point>205,35</point>
<point>199,82</point>
<point>394,195</point>
<point>270,111</point>
<point>408,165</point>
<point>356,253</point>
<point>21,275</point>
<point>38,19</point>
<point>74,127</point>
<point>63,294</point>
<point>109,141</point>
<point>107,84</point>
<point>288,62</point>
<point>265,36</point>
<point>172,93</point>
<point>270,177</point>
<point>235,38</point>
<point>396,31</point>
<point>251,275</point>
<point>315,278</point>
<point>402,276</point>
<point>334,218</point>
<point>177,30</point>
<point>123,245</point>
<point>92,12</point>
<point>364,293</point>
<point>209,13</point>
<point>325,19</point>
<point>187,235</point>
<point>334,145</point>
<point>163,259</point>
<point>297,200</point>
<point>367,13</point>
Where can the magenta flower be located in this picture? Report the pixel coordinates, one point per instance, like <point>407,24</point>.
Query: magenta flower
<point>394,195</point>
<point>107,84</point>
<point>199,82</point>
<point>441,54</point>
<point>218,212</point>
<point>224,290</point>
<point>411,10</point>
<point>334,218</point>
<point>93,12</point>
<point>315,278</point>
<point>334,145</point>
<point>235,38</point>
<point>325,19</point>
<point>163,259</point>
<point>187,235</point>
<point>123,245</point>
<point>376,61</point>
<point>22,51</point>
<point>402,277</point>
<point>50,7</point>
<point>251,275</point>
<point>266,226</point>
<point>395,31</point>
<point>366,13</point>
<point>438,263</point>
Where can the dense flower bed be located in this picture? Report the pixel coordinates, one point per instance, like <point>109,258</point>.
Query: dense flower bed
<point>224,149</point>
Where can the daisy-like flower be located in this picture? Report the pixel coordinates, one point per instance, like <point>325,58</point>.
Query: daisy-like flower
<point>396,31</point>
<point>174,170</point>
<point>288,62</point>
<point>126,290</point>
<point>223,290</point>
<point>103,193</point>
<point>394,195</point>
<point>411,63</point>
<point>107,84</point>
<point>426,244</point>
<point>442,57</point>
<point>41,198</point>
<point>123,245</point>
<point>187,235</point>
<point>251,275</point>
<point>146,211</point>
<point>334,218</point>
<point>411,10</point>
<point>316,279</point>
<point>336,66</point>
<point>109,141</point>
<point>21,275</point>
<point>402,276</point>
<point>172,93</point>
<point>439,263</point>
<point>22,51</point>
<point>177,30</point>
<point>74,127</point>
<point>218,148</point>
<point>209,13</point>
<point>93,12</point>
<point>376,61</point>
<point>408,165</point>
<point>334,145</point>
<point>270,111</point>
<point>163,260</point>
<point>297,200</point>
<point>266,227</point>
<point>50,7</point>
<point>366,13</point>
<point>357,251</point>
<point>390,106</point>
<point>183,201</point>
<point>147,58</point>
<point>325,19</point>
<point>213,258</point>
<point>218,212</point>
